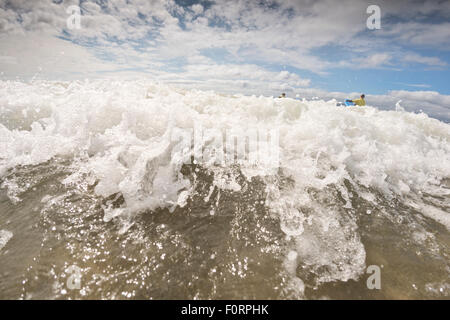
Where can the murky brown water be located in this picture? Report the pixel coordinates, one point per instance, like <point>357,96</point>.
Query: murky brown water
<point>238,252</point>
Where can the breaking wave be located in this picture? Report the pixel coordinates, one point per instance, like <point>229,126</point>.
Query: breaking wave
<point>348,183</point>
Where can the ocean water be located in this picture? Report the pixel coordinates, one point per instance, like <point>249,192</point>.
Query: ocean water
<point>100,200</point>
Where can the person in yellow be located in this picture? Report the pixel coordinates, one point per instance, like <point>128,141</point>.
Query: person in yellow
<point>359,102</point>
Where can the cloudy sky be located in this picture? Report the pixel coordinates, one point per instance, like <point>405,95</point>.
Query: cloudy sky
<point>311,48</point>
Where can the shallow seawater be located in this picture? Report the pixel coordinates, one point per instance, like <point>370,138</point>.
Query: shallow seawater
<point>99,199</point>
<point>238,252</point>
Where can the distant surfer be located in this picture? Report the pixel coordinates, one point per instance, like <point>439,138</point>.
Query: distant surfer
<point>283,95</point>
<point>358,102</point>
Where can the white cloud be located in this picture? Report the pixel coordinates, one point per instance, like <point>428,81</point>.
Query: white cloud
<point>372,61</point>
<point>416,85</point>
<point>36,56</point>
<point>197,8</point>
<point>431,61</point>
<point>233,78</point>
<point>422,34</point>
<point>433,103</point>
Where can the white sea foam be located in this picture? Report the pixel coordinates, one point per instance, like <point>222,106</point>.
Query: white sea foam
<point>121,136</point>
<point>5,236</point>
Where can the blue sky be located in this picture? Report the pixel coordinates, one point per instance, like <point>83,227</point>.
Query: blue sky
<point>307,48</point>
